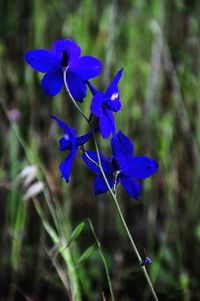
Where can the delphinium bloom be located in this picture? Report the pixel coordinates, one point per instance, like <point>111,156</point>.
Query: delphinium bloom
<point>69,142</point>
<point>122,167</point>
<point>146,260</point>
<point>64,56</point>
<point>104,104</point>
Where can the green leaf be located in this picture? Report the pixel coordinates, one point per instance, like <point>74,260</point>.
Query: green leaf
<point>75,234</point>
<point>85,255</point>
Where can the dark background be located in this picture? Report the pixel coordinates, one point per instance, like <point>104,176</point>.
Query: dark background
<point>157,43</point>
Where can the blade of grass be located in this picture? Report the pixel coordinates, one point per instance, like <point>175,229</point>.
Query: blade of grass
<point>103,260</point>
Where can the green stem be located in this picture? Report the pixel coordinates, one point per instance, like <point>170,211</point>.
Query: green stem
<point>103,259</point>
<point>66,254</point>
<point>112,194</point>
<point>134,247</point>
<point>31,159</point>
<point>74,290</point>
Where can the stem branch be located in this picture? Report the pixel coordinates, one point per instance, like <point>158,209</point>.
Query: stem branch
<point>112,194</point>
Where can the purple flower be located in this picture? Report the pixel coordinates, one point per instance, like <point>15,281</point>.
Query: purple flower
<point>104,104</point>
<point>147,260</point>
<point>65,55</point>
<point>69,142</point>
<point>122,167</point>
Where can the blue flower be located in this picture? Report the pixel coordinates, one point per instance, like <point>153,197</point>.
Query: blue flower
<point>69,142</point>
<point>65,55</point>
<point>122,167</point>
<point>104,104</point>
<point>148,260</point>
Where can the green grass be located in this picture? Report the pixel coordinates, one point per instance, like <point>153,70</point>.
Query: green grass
<point>157,43</point>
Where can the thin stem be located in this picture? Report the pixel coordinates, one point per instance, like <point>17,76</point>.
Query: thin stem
<point>115,182</point>
<point>89,158</point>
<point>74,283</point>
<point>134,247</point>
<point>74,102</point>
<point>112,194</point>
<point>90,117</point>
<point>103,259</point>
<point>73,279</point>
<point>31,159</point>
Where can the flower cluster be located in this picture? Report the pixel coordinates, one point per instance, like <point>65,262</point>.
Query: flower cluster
<point>64,65</point>
<point>122,167</point>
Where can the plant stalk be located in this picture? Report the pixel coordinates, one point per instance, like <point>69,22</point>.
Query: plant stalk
<point>103,259</point>
<point>112,194</point>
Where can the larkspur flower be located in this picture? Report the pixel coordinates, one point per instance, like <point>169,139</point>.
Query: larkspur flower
<point>69,142</point>
<point>104,104</point>
<point>64,56</point>
<point>122,167</point>
<point>148,260</point>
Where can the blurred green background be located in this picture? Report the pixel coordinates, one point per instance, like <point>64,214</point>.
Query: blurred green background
<point>157,43</point>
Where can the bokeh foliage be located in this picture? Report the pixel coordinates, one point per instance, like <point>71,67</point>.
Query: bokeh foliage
<point>157,43</point>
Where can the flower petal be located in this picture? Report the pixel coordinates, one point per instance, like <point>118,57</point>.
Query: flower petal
<point>83,139</point>
<point>92,88</point>
<point>86,66</point>
<point>132,187</point>
<point>96,106</point>
<point>65,166</point>
<point>107,123</point>
<point>114,105</point>
<point>91,155</point>
<point>71,47</point>
<point>76,86</point>
<point>140,167</point>
<point>61,124</point>
<point>65,143</point>
<point>107,166</point>
<point>122,148</point>
<point>73,139</point>
<point>41,60</point>
<point>100,184</point>
<point>113,85</point>
<point>52,82</point>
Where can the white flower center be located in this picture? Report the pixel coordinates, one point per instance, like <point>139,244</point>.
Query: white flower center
<point>66,137</point>
<point>114,96</point>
